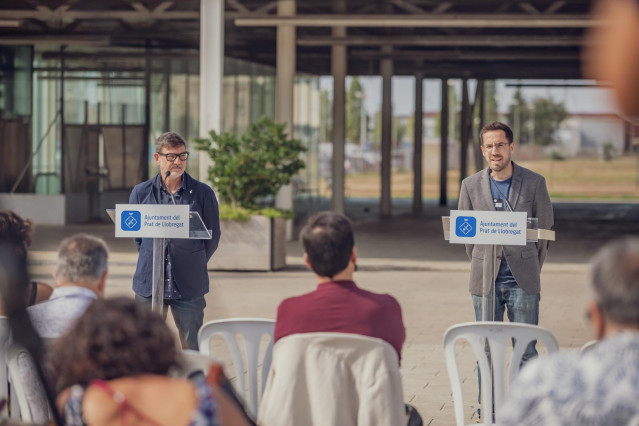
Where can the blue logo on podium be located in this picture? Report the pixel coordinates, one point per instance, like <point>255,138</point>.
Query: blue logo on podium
<point>130,220</point>
<point>465,226</point>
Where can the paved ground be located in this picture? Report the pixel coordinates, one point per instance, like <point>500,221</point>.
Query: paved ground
<point>406,257</point>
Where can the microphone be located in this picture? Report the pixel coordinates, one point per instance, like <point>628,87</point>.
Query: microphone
<point>166,175</point>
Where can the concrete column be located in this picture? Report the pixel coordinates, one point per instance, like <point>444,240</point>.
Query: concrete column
<point>285,83</point>
<point>463,123</point>
<point>443,158</point>
<point>338,70</point>
<point>211,72</point>
<point>480,99</point>
<point>386,67</point>
<point>417,143</point>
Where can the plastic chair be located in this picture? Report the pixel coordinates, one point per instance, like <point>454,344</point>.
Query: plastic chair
<point>193,361</point>
<point>5,336</point>
<point>333,379</point>
<point>26,388</point>
<point>251,330</point>
<point>498,336</point>
<point>588,345</point>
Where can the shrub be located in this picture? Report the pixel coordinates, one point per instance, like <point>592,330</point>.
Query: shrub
<point>250,167</point>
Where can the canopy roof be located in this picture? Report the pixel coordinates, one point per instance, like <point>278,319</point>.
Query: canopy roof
<point>456,38</point>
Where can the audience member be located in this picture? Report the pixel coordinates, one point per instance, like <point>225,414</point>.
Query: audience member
<point>79,279</point>
<point>20,232</point>
<point>599,386</point>
<point>111,368</point>
<point>338,304</point>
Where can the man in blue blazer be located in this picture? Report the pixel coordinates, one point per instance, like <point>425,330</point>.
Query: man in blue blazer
<point>507,186</point>
<point>186,278</point>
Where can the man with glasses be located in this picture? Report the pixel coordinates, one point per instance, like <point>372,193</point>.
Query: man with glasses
<point>186,278</point>
<point>506,186</point>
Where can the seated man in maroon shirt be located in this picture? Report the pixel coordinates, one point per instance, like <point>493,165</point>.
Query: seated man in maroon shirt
<point>338,305</point>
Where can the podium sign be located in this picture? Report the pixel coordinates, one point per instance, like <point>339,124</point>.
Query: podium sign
<point>151,221</point>
<point>488,227</point>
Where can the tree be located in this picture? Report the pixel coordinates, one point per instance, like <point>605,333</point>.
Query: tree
<point>254,165</point>
<point>398,130</point>
<point>518,118</point>
<point>326,114</point>
<point>490,101</point>
<point>454,115</point>
<point>548,115</point>
<point>354,105</point>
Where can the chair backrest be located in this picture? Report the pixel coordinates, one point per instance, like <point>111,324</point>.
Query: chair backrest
<point>588,345</point>
<point>497,336</point>
<point>5,336</point>
<point>251,331</point>
<point>333,379</point>
<point>26,387</point>
<point>193,361</point>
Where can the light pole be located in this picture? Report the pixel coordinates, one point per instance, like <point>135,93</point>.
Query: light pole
<point>516,112</point>
<point>531,135</point>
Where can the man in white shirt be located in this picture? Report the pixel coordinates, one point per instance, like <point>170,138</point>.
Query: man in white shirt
<point>79,279</point>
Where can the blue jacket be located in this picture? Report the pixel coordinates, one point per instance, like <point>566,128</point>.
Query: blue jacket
<point>188,257</point>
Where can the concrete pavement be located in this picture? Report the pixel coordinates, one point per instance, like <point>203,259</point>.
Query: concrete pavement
<point>406,257</point>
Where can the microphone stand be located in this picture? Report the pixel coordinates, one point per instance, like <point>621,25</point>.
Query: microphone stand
<point>166,187</point>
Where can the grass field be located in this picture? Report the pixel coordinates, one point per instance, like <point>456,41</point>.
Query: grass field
<point>573,179</point>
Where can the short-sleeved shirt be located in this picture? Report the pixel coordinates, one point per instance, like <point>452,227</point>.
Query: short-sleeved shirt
<point>597,387</point>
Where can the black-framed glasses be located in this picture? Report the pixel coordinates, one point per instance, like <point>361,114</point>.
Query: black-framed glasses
<point>171,157</point>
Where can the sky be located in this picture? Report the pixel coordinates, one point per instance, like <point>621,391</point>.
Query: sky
<point>584,100</point>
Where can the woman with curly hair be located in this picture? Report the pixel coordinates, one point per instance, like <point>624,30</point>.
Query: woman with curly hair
<point>18,232</point>
<point>111,368</point>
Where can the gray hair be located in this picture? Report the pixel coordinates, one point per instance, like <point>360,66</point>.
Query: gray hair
<point>615,280</point>
<point>169,139</point>
<point>82,258</point>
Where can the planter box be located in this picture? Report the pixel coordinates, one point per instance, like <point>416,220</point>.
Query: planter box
<point>256,245</point>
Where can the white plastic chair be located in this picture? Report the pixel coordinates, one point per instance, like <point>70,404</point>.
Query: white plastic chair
<point>498,336</point>
<point>251,330</point>
<point>26,388</point>
<point>588,345</point>
<point>333,379</point>
<point>5,336</point>
<point>193,361</point>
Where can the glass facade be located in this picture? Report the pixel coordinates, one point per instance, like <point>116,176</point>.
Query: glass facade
<point>15,117</point>
<point>109,90</point>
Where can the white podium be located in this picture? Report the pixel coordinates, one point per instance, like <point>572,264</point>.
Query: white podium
<point>492,228</point>
<point>158,222</point>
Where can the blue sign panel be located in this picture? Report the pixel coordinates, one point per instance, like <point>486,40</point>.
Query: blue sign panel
<point>465,226</point>
<point>130,220</point>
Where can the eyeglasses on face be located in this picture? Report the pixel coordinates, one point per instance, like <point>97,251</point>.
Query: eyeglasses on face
<point>171,157</point>
<point>499,147</point>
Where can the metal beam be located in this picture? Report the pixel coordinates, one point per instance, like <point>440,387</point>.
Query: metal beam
<point>426,21</point>
<point>9,23</point>
<point>553,8</point>
<point>443,152</point>
<point>467,56</point>
<point>408,7</point>
<point>441,41</point>
<point>65,15</point>
<point>67,40</point>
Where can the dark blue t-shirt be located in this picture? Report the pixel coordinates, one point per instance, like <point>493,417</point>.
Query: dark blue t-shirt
<point>501,190</point>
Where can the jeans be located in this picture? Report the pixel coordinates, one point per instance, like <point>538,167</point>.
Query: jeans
<point>188,315</point>
<point>520,307</point>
